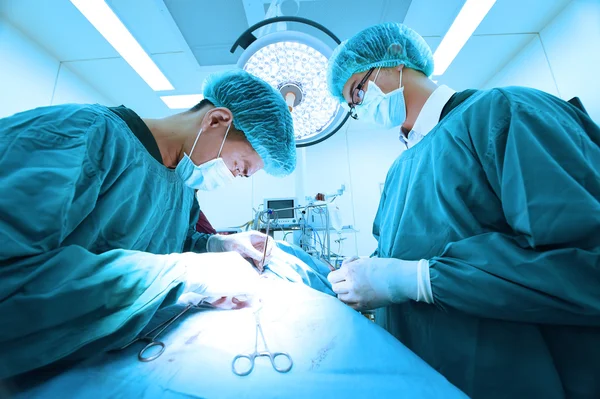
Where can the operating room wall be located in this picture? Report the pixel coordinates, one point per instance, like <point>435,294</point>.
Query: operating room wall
<point>31,77</point>
<point>563,59</point>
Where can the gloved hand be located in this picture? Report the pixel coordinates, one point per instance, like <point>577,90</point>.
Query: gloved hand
<point>371,283</point>
<point>249,244</point>
<point>219,275</point>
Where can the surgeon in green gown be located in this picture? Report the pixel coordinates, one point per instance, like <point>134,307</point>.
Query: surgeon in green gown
<point>488,228</point>
<point>98,209</point>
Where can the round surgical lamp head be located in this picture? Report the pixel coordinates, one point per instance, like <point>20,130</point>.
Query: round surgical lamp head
<point>296,64</point>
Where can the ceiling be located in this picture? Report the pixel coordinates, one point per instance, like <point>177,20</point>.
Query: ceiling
<point>188,39</point>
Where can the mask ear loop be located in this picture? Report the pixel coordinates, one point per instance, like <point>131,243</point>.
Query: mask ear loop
<point>224,138</point>
<point>222,144</point>
<point>194,146</point>
<point>400,82</point>
<point>376,75</point>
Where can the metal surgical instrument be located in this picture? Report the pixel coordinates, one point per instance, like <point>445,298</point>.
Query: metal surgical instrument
<point>151,337</point>
<point>251,357</point>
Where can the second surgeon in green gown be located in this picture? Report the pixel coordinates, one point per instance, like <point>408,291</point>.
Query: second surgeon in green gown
<point>488,228</point>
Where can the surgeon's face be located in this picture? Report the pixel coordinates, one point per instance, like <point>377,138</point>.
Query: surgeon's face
<point>239,156</point>
<point>388,80</point>
<point>237,153</point>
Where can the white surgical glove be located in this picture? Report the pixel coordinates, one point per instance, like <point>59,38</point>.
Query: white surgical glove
<point>219,275</point>
<point>249,244</point>
<point>372,283</point>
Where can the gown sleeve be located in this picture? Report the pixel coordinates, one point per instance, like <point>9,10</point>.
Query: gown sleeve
<point>542,159</point>
<point>56,298</point>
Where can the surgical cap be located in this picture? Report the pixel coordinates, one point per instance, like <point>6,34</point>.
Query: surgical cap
<point>385,45</point>
<point>260,112</point>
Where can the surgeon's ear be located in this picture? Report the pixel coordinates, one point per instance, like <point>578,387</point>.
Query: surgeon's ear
<point>217,117</point>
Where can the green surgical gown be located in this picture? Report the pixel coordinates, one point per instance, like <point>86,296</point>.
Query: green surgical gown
<point>503,198</point>
<point>91,227</point>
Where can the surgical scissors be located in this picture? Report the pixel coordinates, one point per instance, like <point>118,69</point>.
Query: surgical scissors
<point>251,357</point>
<point>151,336</point>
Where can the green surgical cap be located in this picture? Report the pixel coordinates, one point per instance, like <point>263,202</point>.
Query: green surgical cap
<point>260,112</point>
<point>385,45</point>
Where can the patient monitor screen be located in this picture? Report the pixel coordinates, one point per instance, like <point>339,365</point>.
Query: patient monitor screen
<point>287,205</point>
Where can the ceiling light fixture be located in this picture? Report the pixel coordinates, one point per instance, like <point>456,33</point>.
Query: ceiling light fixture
<point>182,101</point>
<point>102,17</point>
<point>467,20</point>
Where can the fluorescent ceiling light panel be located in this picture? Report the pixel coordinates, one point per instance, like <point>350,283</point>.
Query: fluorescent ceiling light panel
<point>467,20</point>
<point>110,26</point>
<point>183,101</point>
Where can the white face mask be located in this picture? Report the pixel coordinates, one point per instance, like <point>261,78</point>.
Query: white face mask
<point>384,110</point>
<point>208,176</point>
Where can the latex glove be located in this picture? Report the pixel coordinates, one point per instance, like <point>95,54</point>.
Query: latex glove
<point>218,275</point>
<point>249,244</point>
<point>371,283</point>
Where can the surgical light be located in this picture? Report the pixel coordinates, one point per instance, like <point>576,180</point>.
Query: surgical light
<point>467,20</point>
<point>110,26</point>
<point>296,64</point>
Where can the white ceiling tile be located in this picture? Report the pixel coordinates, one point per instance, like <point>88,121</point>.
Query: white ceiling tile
<point>432,17</point>
<point>519,16</point>
<point>186,77</point>
<point>208,22</point>
<point>481,58</point>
